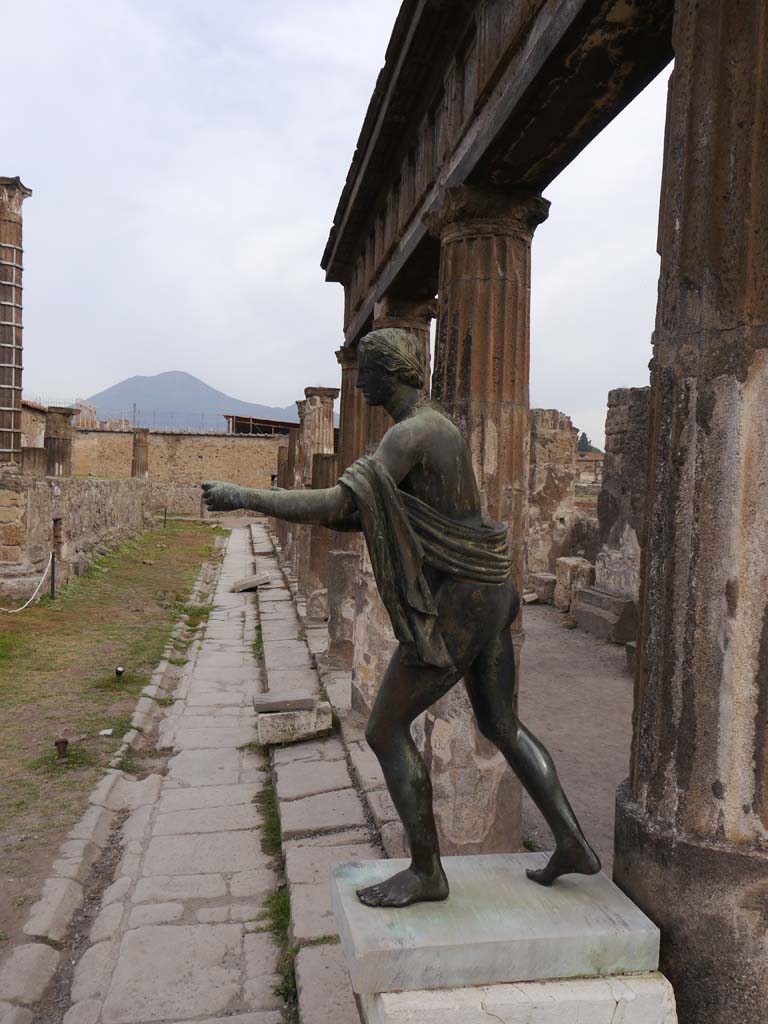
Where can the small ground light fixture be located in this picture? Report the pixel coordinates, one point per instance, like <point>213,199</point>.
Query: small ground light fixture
<point>61,748</point>
<point>119,673</point>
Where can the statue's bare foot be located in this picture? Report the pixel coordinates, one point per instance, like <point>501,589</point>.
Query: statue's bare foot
<point>574,858</point>
<point>406,887</point>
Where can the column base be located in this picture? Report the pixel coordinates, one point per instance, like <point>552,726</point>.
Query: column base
<point>710,900</point>
<point>641,998</point>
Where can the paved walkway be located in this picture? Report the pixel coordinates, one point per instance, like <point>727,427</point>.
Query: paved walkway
<point>178,936</point>
<point>576,696</point>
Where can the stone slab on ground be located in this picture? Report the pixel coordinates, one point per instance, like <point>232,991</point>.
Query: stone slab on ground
<point>326,812</point>
<point>497,927</point>
<point>325,994</point>
<point>294,726</point>
<point>630,999</point>
<point>294,781</point>
<point>27,971</point>
<point>261,579</point>
<point>266,703</point>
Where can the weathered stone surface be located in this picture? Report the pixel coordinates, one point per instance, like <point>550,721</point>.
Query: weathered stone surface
<point>571,575</point>
<point>343,568</point>
<point>155,913</point>
<point>374,641</point>
<point>179,887</point>
<point>168,972</point>
<point>205,767</point>
<point>208,819</point>
<point>552,489</point>
<point>49,918</point>
<point>543,583</point>
<point>10,1014</point>
<point>326,812</point>
<point>295,780</point>
<point>605,615</point>
<point>266,703</point>
<point>325,994</point>
<point>203,854</point>
<point>85,1012</point>
<point>497,926</point>
<point>94,971</point>
<point>636,999</point>
<point>294,726</point>
<point>27,972</point>
<point>204,796</point>
<point>106,923</point>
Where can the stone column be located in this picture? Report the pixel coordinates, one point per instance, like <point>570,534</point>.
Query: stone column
<point>12,195</point>
<point>413,315</point>
<point>344,557</point>
<point>285,533</point>
<point>481,377</point>
<point>316,438</point>
<point>692,820</point>
<point>140,459</point>
<point>324,474</point>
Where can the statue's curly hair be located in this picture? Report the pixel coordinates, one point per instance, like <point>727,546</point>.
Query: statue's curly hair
<point>398,352</point>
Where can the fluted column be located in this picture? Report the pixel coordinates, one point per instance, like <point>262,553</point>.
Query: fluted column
<point>317,438</point>
<point>12,195</point>
<point>692,821</point>
<point>412,315</point>
<point>482,355</point>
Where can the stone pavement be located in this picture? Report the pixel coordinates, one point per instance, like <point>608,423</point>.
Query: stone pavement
<point>178,936</point>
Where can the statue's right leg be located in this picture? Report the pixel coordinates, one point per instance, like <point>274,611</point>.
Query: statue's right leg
<point>405,692</point>
<point>490,685</point>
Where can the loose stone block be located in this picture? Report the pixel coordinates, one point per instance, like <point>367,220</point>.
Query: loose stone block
<point>170,971</point>
<point>293,726</point>
<point>325,994</point>
<point>544,585</point>
<point>326,812</point>
<point>638,999</point>
<point>26,973</point>
<point>571,574</point>
<point>497,927</point>
<point>261,579</point>
<point>266,703</point>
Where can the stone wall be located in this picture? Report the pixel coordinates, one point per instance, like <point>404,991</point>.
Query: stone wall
<point>32,427</point>
<point>551,510</point>
<point>180,461</point>
<point>76,518</point>
<point>621,502</point>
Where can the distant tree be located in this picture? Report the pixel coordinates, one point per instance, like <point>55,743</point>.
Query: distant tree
<point>584,444</point>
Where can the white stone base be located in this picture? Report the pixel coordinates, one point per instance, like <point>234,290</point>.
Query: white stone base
<point>629,999</point>
<point>293,726</point>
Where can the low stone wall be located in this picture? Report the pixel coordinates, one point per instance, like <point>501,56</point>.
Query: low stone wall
<point>179,458</point>
<point>76,518</point>
<point>180,499</point>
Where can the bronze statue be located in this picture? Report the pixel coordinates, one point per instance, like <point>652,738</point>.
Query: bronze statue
<point>444,576</point>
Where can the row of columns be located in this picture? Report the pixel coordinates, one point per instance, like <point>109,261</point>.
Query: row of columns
<point>692,820</point>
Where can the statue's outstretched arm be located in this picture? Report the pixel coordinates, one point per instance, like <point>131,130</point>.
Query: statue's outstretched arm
<point>330,506</point>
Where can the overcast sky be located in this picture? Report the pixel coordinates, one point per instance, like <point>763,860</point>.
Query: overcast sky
<point>186,160</point>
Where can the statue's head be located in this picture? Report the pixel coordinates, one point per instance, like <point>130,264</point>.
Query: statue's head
<point>387,360</point>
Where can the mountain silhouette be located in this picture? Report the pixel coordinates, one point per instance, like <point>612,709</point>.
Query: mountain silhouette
<point>177,401</point>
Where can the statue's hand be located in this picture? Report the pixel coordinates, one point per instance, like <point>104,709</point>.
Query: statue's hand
<point>221,497</point>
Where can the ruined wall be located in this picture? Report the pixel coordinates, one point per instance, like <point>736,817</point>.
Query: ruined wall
<point>32,427</point>
<point>180,461</point>
<point>551,510</point>
<point>621,502</point>
<point>77,518</point>
<point>102,453</point>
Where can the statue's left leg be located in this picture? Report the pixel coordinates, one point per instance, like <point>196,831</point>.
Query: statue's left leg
<point>406,690</point>
<point>491,687</point>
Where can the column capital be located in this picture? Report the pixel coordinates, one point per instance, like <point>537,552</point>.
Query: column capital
<point>13,193</point>
<point>399,312</point>
<point>468,210</point>
<point>301,406</point>
<point>332,393</point>
<point>346,357</point>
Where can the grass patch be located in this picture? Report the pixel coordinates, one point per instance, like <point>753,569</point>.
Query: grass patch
<point>57,673</point>
<point>266,801</point>
<point>178,662</point>
<point>258,644</point>
<point>197,614</point>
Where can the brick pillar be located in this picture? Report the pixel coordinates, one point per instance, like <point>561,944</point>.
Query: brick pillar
<point>481,377</point>
<point>12,195</point>
<point>316,438</point>
<point>140,459</point>
<point>344,557</point>
<point>692,820</point>
<point>285,533</point>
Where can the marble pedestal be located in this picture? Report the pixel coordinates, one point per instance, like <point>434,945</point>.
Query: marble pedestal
<point>501,947</point>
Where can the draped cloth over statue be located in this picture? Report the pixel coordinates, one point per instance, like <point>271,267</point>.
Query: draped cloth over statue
<point>403,535</point>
